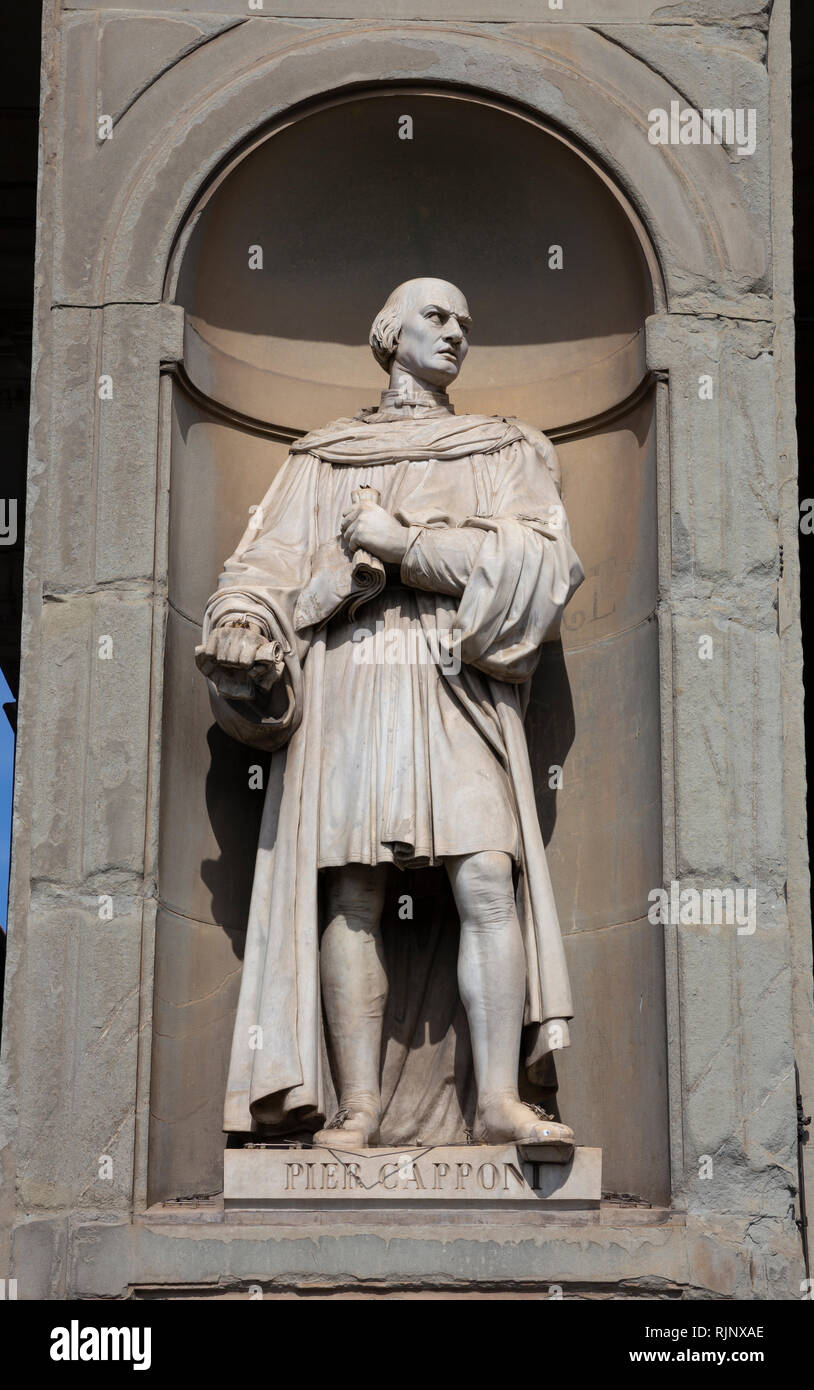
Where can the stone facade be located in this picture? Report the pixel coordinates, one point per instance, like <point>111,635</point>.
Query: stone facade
<point>192,87</point>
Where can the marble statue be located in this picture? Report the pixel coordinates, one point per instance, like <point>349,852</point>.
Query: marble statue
<point>377,629</point>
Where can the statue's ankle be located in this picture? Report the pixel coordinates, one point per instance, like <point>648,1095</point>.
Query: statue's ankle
<point>497,1100</point>
<point>367,1101</point>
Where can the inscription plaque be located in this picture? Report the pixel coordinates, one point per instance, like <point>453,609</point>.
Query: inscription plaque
<point>482,1174</point>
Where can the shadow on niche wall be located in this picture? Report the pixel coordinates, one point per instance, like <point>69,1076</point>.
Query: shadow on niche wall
<point>234,810</point>
<point>550,729</point>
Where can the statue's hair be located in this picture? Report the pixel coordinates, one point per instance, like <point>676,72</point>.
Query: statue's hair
<point>386,327</point>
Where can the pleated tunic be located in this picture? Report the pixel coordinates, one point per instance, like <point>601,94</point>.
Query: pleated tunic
<point>406,776</point>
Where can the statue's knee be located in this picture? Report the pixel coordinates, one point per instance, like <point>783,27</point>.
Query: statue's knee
<point>485,889</point>
<point>354,892</point>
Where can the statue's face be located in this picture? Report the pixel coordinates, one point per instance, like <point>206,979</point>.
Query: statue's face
<point>433,341</point>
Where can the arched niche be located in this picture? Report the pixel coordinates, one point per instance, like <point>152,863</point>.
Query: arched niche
<point>343,209</point>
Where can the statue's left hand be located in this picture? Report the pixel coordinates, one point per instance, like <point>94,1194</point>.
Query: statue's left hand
<point>367,526</point>
<point>239,660</point>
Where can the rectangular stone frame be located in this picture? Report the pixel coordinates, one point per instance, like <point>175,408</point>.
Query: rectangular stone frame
<point>79,997</point>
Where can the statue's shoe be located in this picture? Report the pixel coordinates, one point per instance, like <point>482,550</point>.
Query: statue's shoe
<point>349,1129</point>
<point>518,1122</point>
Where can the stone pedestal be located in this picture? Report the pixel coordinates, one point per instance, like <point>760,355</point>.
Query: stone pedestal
<point>269,1176</point>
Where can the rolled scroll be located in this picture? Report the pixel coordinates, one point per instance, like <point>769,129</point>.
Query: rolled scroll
<point>340,581</point>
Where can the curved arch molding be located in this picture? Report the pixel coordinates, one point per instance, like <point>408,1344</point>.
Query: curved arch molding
<point>141,186</point>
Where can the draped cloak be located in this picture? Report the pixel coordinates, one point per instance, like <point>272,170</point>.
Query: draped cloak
<point>489,558</point>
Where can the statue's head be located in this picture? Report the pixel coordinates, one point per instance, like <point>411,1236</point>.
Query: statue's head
<point>424,328</point>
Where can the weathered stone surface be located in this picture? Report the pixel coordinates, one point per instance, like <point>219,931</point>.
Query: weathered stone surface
<point>740,1134</point>
<point>38,1257</point>
<point>127,437</point>
<point>134,52</point>
<point>656,1258</point>
<point>118,732</point>
<point>63,705</point>
<point>724,486</point>
<point>714,68</point>
<point>97,681</point>
<point>739,12</point>
<point>79,1035</point>
<point>69,563</point>
<point>729,806</point>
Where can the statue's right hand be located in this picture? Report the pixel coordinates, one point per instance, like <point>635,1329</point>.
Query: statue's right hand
<point>238,659</point>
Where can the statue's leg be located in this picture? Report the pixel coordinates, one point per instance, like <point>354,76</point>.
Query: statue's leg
<point>354,993</point>
<point>492,984</point>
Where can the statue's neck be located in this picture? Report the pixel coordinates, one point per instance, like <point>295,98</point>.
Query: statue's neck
<point>407,391</point>
<point>415,401</point>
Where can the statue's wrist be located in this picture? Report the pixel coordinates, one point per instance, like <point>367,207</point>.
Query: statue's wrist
<point>411,535</point>
<point>245,620</point>
<point>401,547</point>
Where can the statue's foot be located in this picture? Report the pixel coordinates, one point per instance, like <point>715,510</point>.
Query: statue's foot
<point>509,1120</point>
<point>350,1128</point>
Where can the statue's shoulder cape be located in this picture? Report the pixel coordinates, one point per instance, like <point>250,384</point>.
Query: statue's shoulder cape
<point>371,440</point>
<point>367,439</point>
